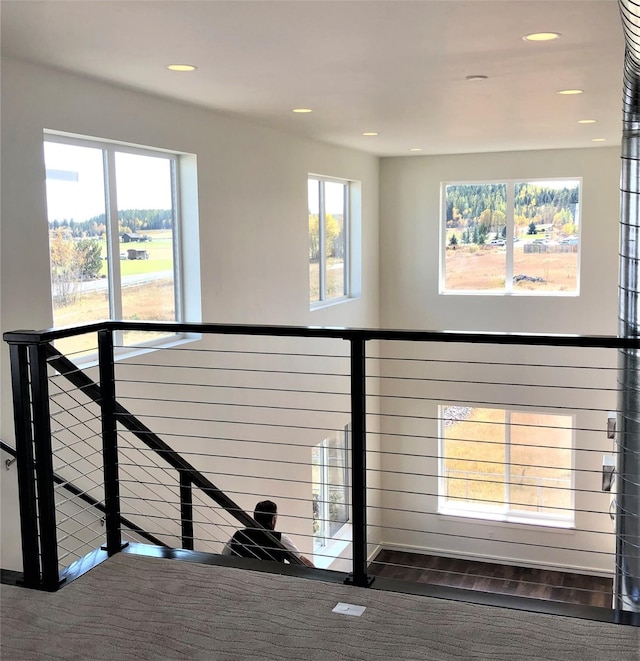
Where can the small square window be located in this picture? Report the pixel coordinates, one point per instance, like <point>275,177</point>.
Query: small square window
<point>514,237</point>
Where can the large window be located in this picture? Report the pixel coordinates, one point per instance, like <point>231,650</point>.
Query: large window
<point>511,237</point>
<point>328,239</point>
<point>113,234</point>
<point>330,488</point>
<point>506,465</point>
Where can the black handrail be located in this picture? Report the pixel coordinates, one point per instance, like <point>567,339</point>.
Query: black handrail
<point>72,488</point>
<point>91,389</point>
<point>366,334</point>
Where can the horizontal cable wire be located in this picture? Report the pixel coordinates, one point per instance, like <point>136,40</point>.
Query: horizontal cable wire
<point>248,370</point>
<point>241,405</point>
<point>510,384</point>
<point>471,537</point>
<point>492,364</point>
<point>211,420</point>
<point>437,438</point>
<point>241,352</point>
<point>490,404</point>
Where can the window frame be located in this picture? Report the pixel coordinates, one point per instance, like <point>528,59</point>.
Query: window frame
<point>509,289</point>
<point>323,300</point>
<point>109,149</point>
<point>504,513</point>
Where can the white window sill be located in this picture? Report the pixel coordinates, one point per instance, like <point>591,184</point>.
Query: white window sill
<point>325,556</point>
<point>495,293</point>
<point>508,518</point>
<point>123,353</point>
<point>332,301</point>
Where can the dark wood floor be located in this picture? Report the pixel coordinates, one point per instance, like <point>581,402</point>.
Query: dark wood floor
<point>488,577</point>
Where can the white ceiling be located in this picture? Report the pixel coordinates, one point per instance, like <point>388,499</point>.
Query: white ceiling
<point>393,66</point>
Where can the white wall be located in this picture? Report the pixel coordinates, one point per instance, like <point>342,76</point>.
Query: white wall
<point>409,267</point>
<point>252,204</point>
<point>409,241</point>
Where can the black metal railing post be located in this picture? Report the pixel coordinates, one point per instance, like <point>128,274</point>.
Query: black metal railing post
<point>359,575</point>
<point>186,510</point>
<point>25,468</point>
<point>109,441</point>
<point>44,467</point>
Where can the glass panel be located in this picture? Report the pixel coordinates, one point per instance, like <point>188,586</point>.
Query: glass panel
<point>77,239</point>
<point>144,186</point>
<point>474,456</point>
<point>541,464</point>
<point>335,203</point>
<point>475,221</point>
<point>314,240</point>
<point>337,482</point>
<point>546,241</point>
<point>317,454</point>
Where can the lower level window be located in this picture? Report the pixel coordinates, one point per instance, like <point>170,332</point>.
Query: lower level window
<point>330,487</point>
<point>506,465</point>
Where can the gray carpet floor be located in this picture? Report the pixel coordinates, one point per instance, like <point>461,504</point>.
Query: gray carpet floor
<point>134,607</point>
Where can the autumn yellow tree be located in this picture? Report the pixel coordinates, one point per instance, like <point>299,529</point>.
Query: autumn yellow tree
<point>71,263</point>
<point>332,230</point>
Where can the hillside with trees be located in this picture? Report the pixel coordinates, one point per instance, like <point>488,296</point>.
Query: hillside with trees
<point>478,211</point>
<point>129,220</point>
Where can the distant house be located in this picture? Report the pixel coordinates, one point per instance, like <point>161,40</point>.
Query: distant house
<point>133,253</point>
<point>131,237</point>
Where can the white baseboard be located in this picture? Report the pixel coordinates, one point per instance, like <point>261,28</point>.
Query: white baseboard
<point>480,557</point>
<point>374,553</point>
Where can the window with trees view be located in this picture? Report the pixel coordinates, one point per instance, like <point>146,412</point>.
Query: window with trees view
<point>330,472</point>
<point>511,237</point>
<point>506,465</point>
<point>112,220</point>
<point>328,239</point>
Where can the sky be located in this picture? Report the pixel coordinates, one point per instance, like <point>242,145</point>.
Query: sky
<point>75,181</point>
<point>333,197</point>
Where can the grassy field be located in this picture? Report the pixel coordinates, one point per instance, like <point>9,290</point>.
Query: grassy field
<point>153,300</point>
<point>335,279</point>
<point>483,268</point>
<point>160,250</point>
<point>475,459</point>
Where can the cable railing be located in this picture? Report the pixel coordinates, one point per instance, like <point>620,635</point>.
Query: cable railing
<point>83,504</point>
<point>453,460</point>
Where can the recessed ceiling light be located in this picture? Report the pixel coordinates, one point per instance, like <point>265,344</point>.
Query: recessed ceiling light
<point>369,133</point>
<point>181,67</point>
<point>586,121</point>
<point>599,140</point>
<point>416,149</point>
<point>476,76</point>
<point>569,92</point>
<point>542,36</point>
<point>302,110</point>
